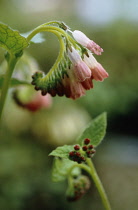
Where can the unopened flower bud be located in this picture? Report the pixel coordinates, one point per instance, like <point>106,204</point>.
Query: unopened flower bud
<point>90,147</point>
<point>81,70</point>
<point>84,148</point>
<point>76,147</point>
<point>82,39</point>
<point>86,141</point>
<point>98,72</point>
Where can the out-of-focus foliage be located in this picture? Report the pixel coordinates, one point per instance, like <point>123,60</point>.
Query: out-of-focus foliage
<point>53,126</point>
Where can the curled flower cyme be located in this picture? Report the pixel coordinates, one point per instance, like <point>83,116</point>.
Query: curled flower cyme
<point>75,68</point>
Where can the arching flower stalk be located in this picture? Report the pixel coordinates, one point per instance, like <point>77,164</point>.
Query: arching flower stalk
<point>75,67</point>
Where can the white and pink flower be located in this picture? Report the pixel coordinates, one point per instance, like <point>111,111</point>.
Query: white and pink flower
<point>98,72</point>
<point>72,88</point>
<point>81,70</point>
<point>82,39</point>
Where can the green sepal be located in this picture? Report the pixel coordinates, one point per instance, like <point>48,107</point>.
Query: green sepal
<point>95,131</point>
<point>11,40</point>
<point>51,82</point>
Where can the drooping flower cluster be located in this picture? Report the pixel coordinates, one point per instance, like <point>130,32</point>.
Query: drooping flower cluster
<point>76,69</point>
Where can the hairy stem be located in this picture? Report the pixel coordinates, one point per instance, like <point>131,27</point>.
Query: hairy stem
<point>11,64</point>
<point>81,166</point>
<point>60,55</point>
<point>59,33</point>
<point>98,184</point>
<point>90,169</point>
<point>49,28</point>
<point>43,28</point>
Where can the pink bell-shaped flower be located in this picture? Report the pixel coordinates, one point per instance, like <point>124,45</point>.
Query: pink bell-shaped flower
<point>98,72</point>
<point>82,39</point>
<point>81,70</point>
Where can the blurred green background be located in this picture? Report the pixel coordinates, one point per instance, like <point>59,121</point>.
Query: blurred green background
<point>27,138</point>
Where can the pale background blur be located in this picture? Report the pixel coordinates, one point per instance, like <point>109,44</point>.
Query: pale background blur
<point>27,139</point>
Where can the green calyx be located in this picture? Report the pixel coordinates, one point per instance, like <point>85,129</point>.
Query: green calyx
<point>52,80</point>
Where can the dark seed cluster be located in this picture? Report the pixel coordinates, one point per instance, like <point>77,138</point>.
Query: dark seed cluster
<point>88,148</point>
<point>79,154</point>
<point>77,147</point>
<point>76,156</point>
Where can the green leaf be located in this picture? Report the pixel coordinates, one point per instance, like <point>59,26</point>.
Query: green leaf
<point>95,131</point>
<point>11,40</point>
<point>61,169</point>
<point>14,82</point>
<point>63,151</point>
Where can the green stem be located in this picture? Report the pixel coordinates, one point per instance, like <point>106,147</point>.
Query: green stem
<point>58,32</point>
<point>11,64</point>
<point>43,28</point>
<point>60,55</point>
<point>53,29</point>
<point>90,169</point>
<point>98,184</point>
<point>82,166</point>
<point>62,48</point>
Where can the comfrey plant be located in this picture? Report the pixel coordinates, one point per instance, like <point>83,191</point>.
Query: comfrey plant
<point>71,75</point>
